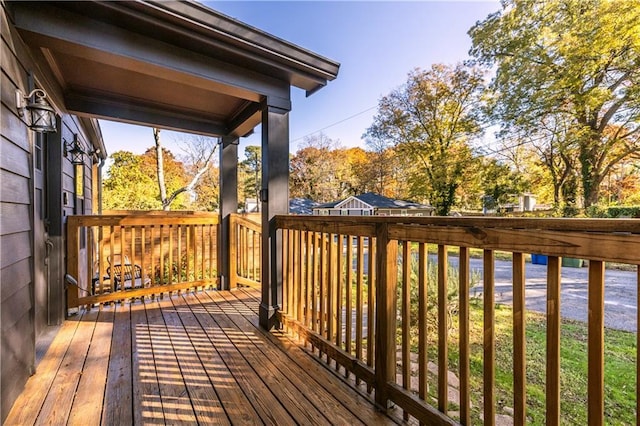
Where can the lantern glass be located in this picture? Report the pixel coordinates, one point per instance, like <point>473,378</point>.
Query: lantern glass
<point>43,117</point>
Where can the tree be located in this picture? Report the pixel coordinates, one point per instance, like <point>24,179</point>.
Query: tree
<point>578,59</point>
<point>316,169</point>
<point>251,173</point>
<point>203,156</point>
<point>127,186</point>
<point>431,120</point>
<point>500,184</point>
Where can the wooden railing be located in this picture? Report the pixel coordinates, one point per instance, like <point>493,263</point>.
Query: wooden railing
<point>357,290</point>
<point>131,255</point>
<point>245,234</point>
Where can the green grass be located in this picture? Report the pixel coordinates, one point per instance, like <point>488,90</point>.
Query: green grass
<point>620,358</point>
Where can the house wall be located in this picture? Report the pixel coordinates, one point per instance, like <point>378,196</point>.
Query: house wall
<point>25,225</point>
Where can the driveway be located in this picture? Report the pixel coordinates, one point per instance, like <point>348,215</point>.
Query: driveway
<point>621,290</point>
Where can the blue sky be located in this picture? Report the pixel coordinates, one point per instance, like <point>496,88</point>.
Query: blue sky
<point>376,43</point>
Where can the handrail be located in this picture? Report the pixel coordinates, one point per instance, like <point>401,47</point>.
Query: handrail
<point>164,252</point>
<point>326,282</point>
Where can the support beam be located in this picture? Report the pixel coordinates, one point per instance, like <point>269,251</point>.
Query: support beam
<point>228,203</point>
<point>275,200</point>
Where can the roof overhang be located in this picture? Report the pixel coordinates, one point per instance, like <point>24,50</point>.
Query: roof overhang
<point>175,65</point>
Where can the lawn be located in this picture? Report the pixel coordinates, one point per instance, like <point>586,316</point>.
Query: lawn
<point>620,358</point>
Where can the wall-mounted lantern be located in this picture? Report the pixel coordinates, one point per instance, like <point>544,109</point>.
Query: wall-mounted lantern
<point>74,148</point>
<point>40,115</point>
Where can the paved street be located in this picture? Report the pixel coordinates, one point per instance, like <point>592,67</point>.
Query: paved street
<point>621,289</point>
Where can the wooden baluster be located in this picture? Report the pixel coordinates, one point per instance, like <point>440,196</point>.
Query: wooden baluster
<point>234,243</point>
<point>553,341</point>
<point>295,270</point>
<point>464,330</point>
<point>289,270</point>
<point>519,341</point>
<point>349,303</point>
<point>143,254</point>
<point>215,264</point>
<point>171,258</point>
<point>111,256</point>
<point>359,304</point>
<point>371,303</point>
<point>330,286</point>
<point>386,289</point>
<point>202,253</point>
<point>338,297</point>
<point>422,322</point>
<point>309,281</point>
<point>102,259</point>
<point>406,319</point>
<point>489,339</point>
<point>322,292</point>
<point>121,234</point>
<point>595,345</point>
<point>300,275</point>
<point>443,330</point>
<point>314,288</point>
<point>152,251</point>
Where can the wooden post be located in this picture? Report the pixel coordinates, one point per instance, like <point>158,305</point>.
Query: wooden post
<point>386,295</point>
<point>553,341</point>
<point>274,196</point>
<point>519,341</point>
<point>595,345</point>
<point>228,206</point>
<point>489,339</point>
<point>72,261</point>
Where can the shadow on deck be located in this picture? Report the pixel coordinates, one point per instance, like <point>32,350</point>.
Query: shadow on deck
<point>191,358</point>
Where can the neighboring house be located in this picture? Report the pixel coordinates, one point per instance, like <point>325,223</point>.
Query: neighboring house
<point>251,205</point>
<point>371,204</point>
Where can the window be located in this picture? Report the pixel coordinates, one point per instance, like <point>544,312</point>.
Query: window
<point>37,151</point>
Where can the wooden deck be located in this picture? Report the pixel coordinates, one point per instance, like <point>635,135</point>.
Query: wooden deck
<point>192,359</point>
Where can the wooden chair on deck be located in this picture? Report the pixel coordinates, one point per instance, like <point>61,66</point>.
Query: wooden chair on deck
<point>126,275</point>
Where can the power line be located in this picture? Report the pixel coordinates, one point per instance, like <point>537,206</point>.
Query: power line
<point>335,124</point>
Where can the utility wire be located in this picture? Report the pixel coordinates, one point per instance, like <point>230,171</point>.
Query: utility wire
<point>335,124</point>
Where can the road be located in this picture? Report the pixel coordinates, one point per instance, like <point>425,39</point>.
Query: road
<point>621,292</point>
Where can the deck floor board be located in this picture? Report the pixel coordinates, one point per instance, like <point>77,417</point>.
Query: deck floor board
<point>191,359</point>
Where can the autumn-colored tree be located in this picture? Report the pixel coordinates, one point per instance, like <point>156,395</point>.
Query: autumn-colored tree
<point>316,170</point>
<point>574,61</point>
<point>131,181</point>
<point>431,120</point>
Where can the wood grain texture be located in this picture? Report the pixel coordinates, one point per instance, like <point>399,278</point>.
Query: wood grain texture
<point>489,345</point>
<point>595,345</point>
<point>553,341</point>
<point>519,341</point>
<point>464,332</point>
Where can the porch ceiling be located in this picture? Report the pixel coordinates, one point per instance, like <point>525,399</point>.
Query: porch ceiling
<point>176,65</point>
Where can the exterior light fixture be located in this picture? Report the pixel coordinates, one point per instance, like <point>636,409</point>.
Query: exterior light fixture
<point>41,116</point>
<point>74,148</point>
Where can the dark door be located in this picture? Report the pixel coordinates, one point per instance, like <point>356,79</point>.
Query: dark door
<point>41,243</point>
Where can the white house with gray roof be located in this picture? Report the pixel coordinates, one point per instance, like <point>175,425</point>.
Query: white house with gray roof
<point>371,204</point>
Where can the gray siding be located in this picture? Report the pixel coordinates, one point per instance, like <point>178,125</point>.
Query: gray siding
<point>17,306</point>
<point>18,340</point>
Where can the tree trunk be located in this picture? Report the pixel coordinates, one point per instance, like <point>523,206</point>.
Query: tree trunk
<point>160,169</point>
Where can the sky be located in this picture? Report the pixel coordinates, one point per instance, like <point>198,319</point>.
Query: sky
<point>376,43</point>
